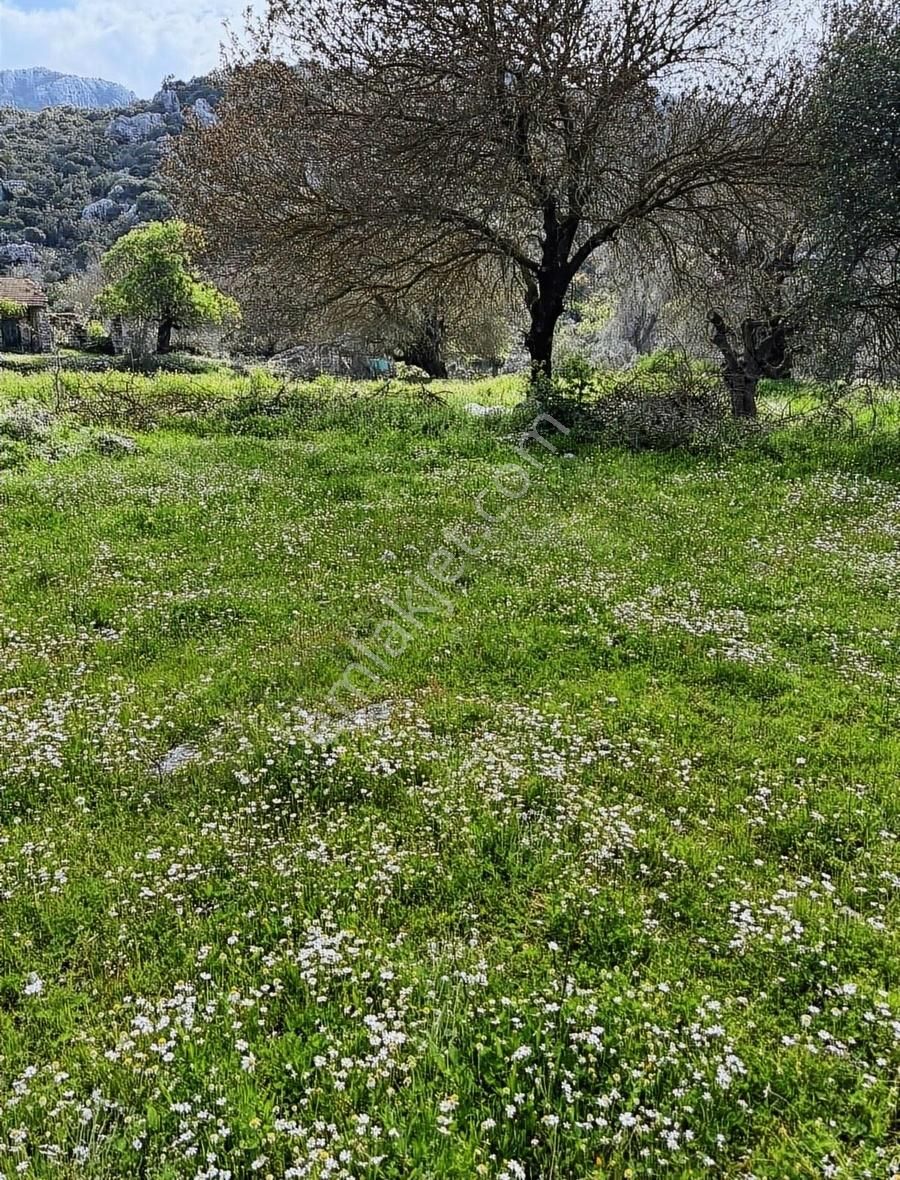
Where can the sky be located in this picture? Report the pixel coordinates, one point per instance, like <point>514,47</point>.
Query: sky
<point>139,42</point>
<point>135,42</point>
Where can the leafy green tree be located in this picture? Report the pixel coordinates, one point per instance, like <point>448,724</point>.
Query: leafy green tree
<point>855,260</point>
<point>152,277</point>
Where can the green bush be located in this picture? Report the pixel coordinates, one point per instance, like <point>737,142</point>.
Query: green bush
<point>664,402</point>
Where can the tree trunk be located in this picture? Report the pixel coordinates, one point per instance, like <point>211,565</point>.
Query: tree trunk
<point>742,389</point>
<point>768,342</point>
<point>545,313</point>
<point>164,334</point>
<point>547,290</point>
<point>740,373</point>
<point>427,350</point>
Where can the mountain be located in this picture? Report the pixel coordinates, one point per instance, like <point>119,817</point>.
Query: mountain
<point>37,88</point>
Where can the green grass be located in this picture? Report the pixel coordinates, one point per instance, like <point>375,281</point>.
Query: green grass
<point>606,887</point>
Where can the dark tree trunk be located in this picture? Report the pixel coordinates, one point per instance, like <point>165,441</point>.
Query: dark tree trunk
<point>427,350</point>
<point>772,336</point>
<point>740,373</point>
<point>164,334</point>
<point>545,312</point>
<point>547,290</point>
<point>742,390</point>
<point>768,343</point>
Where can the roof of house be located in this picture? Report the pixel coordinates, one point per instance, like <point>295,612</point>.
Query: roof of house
<point>22,291</point>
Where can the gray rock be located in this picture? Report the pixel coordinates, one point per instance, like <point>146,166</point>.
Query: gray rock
<point>102,210</point>
<point>135,128</point>
<point>479,411</point>
<point>35,88</point>
<point>204,113</point>
<point>167,98</point>
<point>115,444</point>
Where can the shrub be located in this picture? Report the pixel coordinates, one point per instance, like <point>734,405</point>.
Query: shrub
<point>671,363</point>
<point>12,453</point>
<point>25,422</point>
<point>640,419</point>
<point>10,310</point>
<point>666,402</point>
<point>661,362</point>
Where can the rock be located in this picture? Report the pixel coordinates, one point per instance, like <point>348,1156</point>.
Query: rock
<point>412,374</point>
<point>135,128</point>
<point>102,210</point>
<point>176,758</point>
<point>115,444</point>
<point>35,88</point>
<point>204,113</point>
<point>479,411</point>
<point>167,99</point>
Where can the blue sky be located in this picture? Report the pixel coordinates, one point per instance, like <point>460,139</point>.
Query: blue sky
<point>135,42</point>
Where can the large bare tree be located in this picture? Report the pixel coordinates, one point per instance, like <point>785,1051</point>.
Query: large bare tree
<point>371,148</point>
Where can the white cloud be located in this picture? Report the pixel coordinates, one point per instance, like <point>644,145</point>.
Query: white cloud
<point>136,42</point>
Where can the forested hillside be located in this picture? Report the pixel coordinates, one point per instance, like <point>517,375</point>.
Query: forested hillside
<point>72,181</point>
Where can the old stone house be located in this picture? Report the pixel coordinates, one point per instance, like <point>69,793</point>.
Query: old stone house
<point>28,330</point>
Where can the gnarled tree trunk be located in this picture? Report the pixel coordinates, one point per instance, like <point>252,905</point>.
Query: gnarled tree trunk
<point>427,350</point>
<point>164,334</point>
<point>740,372</point>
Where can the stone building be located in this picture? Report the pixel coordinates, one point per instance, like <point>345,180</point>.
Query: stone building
<point>28,330</point>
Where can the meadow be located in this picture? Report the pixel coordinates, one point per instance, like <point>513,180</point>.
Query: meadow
<point>597,877</point>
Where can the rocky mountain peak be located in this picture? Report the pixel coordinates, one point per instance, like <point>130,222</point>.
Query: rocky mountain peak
<point>36,88</point>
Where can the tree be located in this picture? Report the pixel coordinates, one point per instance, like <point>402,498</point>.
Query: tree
<point>753,306</point>
<point>813,274</point>
<point>422,138</point>
<point>152,277</point>
<point>854,260</point>
<point>81,290</point>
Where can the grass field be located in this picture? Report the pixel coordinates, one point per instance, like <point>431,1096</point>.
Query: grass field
<point>599,879</point>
